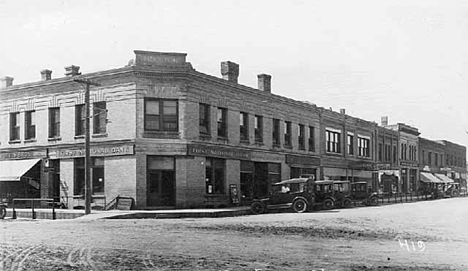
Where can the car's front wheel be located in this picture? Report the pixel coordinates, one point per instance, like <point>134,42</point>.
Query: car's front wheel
<point>299,206</point>
<point>374,201</point>
<point>257,208</point>
<point>328,204</point>
<point>347,203</point>
<point>2,212</point>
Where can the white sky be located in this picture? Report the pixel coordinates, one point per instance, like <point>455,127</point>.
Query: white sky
<point>404,59</point>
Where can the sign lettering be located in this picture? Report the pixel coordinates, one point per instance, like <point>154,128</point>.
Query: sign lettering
<point>222,152</point>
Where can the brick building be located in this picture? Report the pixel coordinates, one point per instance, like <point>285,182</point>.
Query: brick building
<point>387,159</point>
<point>170,136</point>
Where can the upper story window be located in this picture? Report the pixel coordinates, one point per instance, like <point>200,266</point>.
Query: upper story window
<point>258,129</point>
<point>244,126</point>
<point>287,133</point>
<point>80,119</point>
<point>30,125</point>
<point>436,159</point>
<point>222,122</point>
<point>312,138</point>
<point>350,144</point>
<point>54,122</point>
<point>429,158</point>
<point>300,138</point>
<point>394,154</point>
<point>204,119</point>
<point>333,141</point>
<point>388,152</point>
<point>380,151</point>
<point>161,115</point>
<point>99,118</point>
<point>14,126</point>
<point>363,146</point>
<point>276,132</point>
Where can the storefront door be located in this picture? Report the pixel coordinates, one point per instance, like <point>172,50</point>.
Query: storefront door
<point>160,182</point>
<point>161,188</point>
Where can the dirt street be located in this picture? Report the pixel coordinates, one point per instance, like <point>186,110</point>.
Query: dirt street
<point>428,235</point>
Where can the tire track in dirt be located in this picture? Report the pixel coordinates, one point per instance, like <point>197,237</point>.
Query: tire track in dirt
<point>20,256</point>
<point>82,257</point>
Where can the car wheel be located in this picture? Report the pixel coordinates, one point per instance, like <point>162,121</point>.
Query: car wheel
<point>455,193</point>
<point>299,206</point>
<point>328,204</point>
<point>257,208</point>
<point>347,203</point>
<point>2,212</point>
<point>374,201</point>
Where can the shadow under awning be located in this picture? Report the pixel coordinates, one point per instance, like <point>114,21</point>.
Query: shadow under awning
<point>13,170</point>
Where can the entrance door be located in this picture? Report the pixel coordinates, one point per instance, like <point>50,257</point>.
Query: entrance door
<point>160,188</point>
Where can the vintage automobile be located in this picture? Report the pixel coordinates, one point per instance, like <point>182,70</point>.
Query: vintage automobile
<point>295,193</point>
<point>361,193</point>
<point>452,190</point>
<point>342,194</point>
<point>325,196</point>
<point>3,206</point>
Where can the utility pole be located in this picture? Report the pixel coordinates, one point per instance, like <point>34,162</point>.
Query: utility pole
<point>87,83</point>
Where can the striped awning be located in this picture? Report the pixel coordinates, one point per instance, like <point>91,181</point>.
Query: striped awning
<point>13,170</point>
<point>429,178</point>
<point>444,178</point>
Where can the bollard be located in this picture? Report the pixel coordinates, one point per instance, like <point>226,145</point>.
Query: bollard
<point>53,211</point>
<point>32,208</point>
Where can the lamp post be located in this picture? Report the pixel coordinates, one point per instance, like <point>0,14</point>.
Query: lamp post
<point>87,83</point>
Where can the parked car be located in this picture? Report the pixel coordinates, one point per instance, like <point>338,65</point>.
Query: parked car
<point>324,192</point>
<point>452,190</point>
<point>360,192</point>
<point>3,206</point>
<point>342,194</point>
<point>296,194</point>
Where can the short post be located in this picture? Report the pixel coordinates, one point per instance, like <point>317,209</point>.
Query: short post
<point>14,211</point>
<point>53,210</point>
<point>406,197</point>
<point>32,208</point>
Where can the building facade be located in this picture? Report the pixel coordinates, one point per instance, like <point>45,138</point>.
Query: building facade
<point>172,137</point>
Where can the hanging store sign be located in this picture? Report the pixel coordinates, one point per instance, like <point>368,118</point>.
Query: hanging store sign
<point>216,151</point>
<point>23,155</point>
<point>408,164</point>
<point>94,151</point>
<point>302,160</point>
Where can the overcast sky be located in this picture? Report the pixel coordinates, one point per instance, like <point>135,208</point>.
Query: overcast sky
<point>404,59</point>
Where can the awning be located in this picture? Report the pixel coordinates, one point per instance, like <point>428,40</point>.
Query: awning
<point>444,178</point>
<point>429,178</point>
<point>14,169</point>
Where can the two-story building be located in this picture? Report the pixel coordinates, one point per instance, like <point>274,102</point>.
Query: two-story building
<point>161,132</point>
<point>387,158</point>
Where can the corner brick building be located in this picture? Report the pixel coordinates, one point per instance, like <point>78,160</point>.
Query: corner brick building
<point>170,136</point>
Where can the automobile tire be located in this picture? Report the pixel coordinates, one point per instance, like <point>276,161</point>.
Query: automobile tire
<point>347,203</point>
<point>328,204</point>
<point>299,206</point>
<point>2,212</point>
<point>455,193</point>
<point>257,208</point>
<point>374,201</point>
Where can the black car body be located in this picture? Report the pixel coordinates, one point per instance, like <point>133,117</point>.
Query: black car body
<point>296,193</point>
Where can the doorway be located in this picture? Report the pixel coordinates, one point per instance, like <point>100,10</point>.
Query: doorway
<point>160,189</point>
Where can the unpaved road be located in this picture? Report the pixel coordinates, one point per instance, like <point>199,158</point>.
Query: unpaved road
<point>429,235</point>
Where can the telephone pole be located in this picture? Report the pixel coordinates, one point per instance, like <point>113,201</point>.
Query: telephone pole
<point>87,83</point>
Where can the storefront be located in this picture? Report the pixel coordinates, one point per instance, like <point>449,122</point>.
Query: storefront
<point>409,177</point>
<point>20,174</point>
<point>302,166</point>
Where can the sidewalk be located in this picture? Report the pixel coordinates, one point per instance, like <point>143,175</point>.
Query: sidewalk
<point>131,214</point>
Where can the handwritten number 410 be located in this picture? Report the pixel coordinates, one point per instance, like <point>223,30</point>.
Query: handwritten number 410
<point>420,244</point>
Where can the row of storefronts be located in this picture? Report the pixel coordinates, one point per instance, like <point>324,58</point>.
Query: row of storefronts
<point>171,137</point>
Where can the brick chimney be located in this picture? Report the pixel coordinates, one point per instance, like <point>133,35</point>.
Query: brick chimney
<point>384,121</point>
<point>264,82</point>
<point>72,70</point>
<point>46,75</point>
<point>343,111</point>
<point>230,71</point>
<point>6,82</point>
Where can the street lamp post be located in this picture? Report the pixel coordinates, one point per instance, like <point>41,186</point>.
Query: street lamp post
<point>87,83</point>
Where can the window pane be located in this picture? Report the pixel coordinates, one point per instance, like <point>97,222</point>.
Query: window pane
<point>152,107</point>
<point>170,108</point>
<point>152,122</point>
